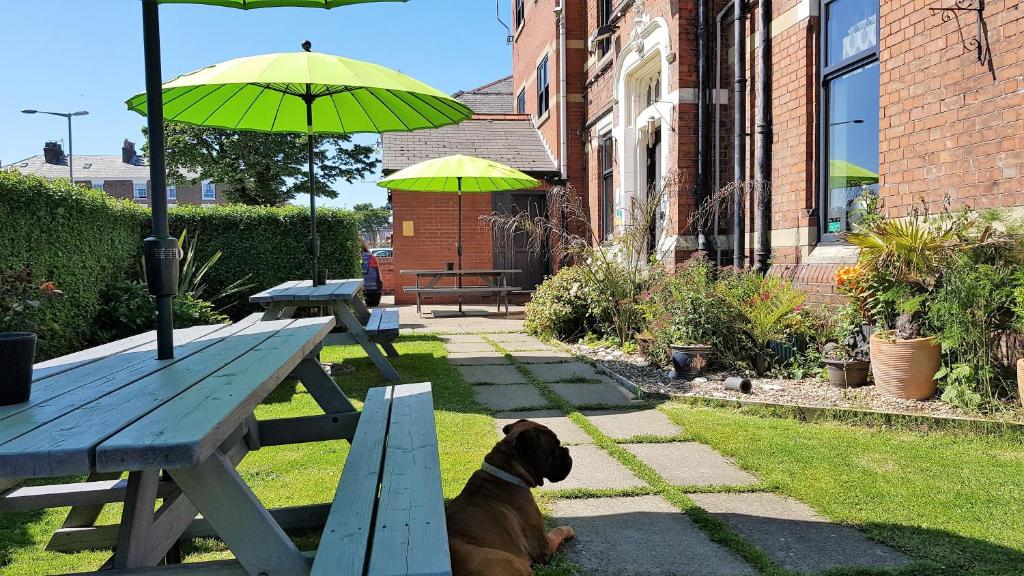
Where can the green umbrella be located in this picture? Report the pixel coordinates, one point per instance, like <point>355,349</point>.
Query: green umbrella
<point>160,248</point>
<point>309,93</point>
<point>251,4</point>
<point>843,174</point>
<point>457,174</point>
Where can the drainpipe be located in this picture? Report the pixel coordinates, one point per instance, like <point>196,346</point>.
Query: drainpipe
<point>739,136</point>
<point>718,123</point>
<point>764,143</point>
<point>700,192</point>
<point>563,122</point>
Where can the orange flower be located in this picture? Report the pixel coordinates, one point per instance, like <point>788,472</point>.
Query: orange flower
<point>849,278</point>
<point>48,287</point>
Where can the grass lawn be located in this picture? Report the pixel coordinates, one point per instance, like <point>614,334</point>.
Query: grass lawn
<point>954,501</point>
<point>292,475</point>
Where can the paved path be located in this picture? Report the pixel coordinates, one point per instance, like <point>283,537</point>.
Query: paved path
<point>518,376</point>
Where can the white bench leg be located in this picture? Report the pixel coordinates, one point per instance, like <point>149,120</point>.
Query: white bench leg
<point>240,519</point>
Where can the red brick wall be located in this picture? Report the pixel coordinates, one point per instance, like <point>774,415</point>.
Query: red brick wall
<point>951,126</point>
<point>387,273</point>
<point>186,193</point>
<point>433,244</point>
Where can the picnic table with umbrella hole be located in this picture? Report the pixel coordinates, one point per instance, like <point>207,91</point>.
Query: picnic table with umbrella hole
<point>492,283</point>
<point>179,429</point>
<point>344,299</point>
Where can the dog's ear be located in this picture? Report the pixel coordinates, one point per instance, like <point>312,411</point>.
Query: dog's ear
<point>508,427</point>
<point>542,454</point>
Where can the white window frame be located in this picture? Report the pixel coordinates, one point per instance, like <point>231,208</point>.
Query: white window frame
<point>212,188</point>
<point>172,192</point>
<point>136,186</point>
<point>97,185</point>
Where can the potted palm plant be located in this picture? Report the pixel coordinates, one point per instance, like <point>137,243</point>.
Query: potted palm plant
<point>765,307</point>
<point>846,356</point>
<point>899,267</point>
<point>22,317</point>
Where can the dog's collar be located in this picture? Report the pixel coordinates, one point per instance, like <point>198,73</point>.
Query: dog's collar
<point>502,475</point>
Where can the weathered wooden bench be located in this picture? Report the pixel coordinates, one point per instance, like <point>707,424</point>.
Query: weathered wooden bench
<point>499,292</point>
<point>383,325</point>
<point>388,513</point>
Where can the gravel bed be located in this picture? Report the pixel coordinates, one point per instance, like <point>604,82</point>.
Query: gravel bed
<point>814,392</point>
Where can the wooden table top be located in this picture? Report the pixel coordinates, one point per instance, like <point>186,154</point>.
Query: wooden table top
<point>116,407</point>
<point>303,290</point>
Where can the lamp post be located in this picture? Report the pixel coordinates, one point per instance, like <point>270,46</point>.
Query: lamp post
<point>71,146</point>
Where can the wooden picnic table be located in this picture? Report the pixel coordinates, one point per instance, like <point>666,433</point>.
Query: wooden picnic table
<point>344,298</point>
<point>492,282</point>
<point>180,427</point>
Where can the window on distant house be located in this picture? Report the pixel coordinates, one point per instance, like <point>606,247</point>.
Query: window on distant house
<point>140,191</point>
<point>521,102</point>
<point>520,14</point>
<point>542,87</point>
<point>97,185</point>
<point>604,18</point>
<point>606,152</point>
<point>209,192</point>
<point>172,192</point>
<point>850,93</point>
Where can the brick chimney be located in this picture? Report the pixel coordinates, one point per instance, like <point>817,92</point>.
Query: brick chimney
<point>53,153</point>
<point>128,155</point>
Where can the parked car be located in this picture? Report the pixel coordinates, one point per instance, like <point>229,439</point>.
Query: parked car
<point>373,285</point>
<point>383,252</point>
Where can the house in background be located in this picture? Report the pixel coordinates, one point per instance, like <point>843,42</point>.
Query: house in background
<point>125,176</point>
<point>424,224</point>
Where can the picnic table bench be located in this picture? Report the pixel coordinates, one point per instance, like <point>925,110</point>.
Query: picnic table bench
<point>343,297</point>
<point>492,282</point>
<point>180,427</point>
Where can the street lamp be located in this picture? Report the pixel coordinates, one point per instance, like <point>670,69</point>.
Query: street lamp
<point>71,147</point>
<point>857,121</point>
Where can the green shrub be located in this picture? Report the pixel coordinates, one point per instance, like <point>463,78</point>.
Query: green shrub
<point>128,309</point>
<point>269,245</point>
<point>563,306</point>
<point>80,239</point>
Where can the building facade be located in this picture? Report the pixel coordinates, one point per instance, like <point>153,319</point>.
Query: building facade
<point>125,176</point>
<point>809,104</point>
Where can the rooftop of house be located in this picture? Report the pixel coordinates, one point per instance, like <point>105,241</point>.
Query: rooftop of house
<point>495,133</point>
<point>53,163</point>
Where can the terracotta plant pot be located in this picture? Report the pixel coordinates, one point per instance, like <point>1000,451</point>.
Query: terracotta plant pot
<point>17,351</point>
<point>690,360</point>
<point>905,368</point>
<point>847,373</point>
<point>1020,381</point>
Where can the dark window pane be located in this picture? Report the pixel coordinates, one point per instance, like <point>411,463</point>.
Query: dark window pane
<point>852,28</point>
<point>853,102</point>
<point>521,102</point>
<point>520,11</point>
<point>607,154</point>
<point>542,87</point>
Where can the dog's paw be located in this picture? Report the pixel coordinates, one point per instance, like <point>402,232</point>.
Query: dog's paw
<point>567,532</point>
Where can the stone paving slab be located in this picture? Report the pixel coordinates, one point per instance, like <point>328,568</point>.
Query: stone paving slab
<point>543,357</point>
<point>516,337</point>
<point>690,464</point>
<point>491,374</point>
<point>502,397</point>
<point>794,536</point>
<point>526,346</point>
<point>454,347</point>
<point>477,359</point>
<point>463,339</point>
<point>563,372</point>
<point>622,424</point>
<point>594,394</point>
<point>594,468</point>
<point>641,536</point>
<point>566,430</point>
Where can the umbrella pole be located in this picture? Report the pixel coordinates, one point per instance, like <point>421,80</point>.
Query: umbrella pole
<point>160,249</point>
<point>460,244</point>
<point>314,241</point>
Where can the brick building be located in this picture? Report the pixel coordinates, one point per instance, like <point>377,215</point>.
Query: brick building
<point>425,227</point>
<point>125,176</point>
<point>899,98</point>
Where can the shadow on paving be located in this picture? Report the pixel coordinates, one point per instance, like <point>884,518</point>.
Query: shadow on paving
<point>612,543</point>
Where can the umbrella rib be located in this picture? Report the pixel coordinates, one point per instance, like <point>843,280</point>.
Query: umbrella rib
<point>221,105</point>
<point>186,92</point>
<point>431,105</point>
<point>251,104</point>
<point>338,113</point>
<point>277,110</point>
<point>404,125</point>
<point>189,107</point>
<point>368,117</point>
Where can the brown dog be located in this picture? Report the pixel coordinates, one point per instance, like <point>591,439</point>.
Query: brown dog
<point>494,526</point>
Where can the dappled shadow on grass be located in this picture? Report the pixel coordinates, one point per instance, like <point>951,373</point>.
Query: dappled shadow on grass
<point>15,533</point>
<point>284,393</point>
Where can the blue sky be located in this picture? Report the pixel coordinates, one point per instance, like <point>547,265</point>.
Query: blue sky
<point>68,55</point>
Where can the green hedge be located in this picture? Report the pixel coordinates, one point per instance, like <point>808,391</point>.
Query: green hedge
<point>80,239</point>
<point>86,241</point>
<point>270,244</point>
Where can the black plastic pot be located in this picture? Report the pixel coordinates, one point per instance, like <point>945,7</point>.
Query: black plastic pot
<point>17,351</point>
<point>760,362</point>
<point>847,373</point>
<point>690,361</point>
